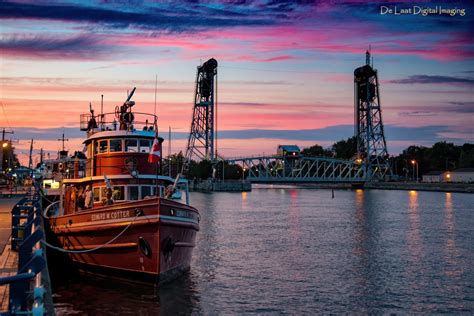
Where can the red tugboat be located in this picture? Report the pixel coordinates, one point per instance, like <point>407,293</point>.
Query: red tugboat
<point>121,217</point>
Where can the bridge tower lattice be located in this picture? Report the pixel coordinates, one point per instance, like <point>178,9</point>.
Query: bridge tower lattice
<point>369,128</point>
<point>202,135</point>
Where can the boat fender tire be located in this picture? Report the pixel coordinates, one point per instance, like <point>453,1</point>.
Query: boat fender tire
<point>144,247</point>
<point>168,245</point>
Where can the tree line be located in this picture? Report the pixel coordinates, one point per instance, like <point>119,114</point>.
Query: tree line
<point>442,156</point>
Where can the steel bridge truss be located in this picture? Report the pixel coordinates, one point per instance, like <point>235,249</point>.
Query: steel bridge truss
<point>300,169</point>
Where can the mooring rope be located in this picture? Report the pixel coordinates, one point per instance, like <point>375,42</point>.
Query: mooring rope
<point>40,191</point>
<point>139,212</point>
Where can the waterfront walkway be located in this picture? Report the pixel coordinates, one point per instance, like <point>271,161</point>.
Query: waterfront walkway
<point>8,258</point>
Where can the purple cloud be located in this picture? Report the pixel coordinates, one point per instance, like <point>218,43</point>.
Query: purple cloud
<point>426,79</point>
<point>77,47</point>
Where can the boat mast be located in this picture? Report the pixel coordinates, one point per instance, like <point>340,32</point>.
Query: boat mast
<point>169,151</point>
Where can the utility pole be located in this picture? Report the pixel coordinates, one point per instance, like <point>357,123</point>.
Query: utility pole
<point>30,162</point>
<point>169,152</point>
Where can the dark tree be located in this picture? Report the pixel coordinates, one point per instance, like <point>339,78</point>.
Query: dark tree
<point>445,156</point>
<point>345,149</point>
<point>316,151</point>
<point>200,170</point>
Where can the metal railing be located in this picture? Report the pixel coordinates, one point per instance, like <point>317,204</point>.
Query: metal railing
<point>111,121</point>
<point>28,294</point>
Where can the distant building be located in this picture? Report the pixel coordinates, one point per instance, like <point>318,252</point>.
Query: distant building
<point>463,175</point>
<point>433,177</point>
<point>288,150</point>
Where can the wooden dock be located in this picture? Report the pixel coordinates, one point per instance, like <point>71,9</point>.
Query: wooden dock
<point>8,267</point>
<point>8,258</point>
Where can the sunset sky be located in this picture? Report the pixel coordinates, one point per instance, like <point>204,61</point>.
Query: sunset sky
<point>285,68</point>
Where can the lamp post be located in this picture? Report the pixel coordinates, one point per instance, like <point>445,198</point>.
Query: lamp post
<point>169,167</point>
<point>4,145</point>
<point>415,165</point>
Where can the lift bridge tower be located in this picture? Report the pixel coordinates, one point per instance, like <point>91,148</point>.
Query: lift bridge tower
<point>202,136</point>
<point>369,131</point>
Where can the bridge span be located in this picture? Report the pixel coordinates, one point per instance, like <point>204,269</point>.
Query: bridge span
<point>291,169</point>
<point>371,162</point>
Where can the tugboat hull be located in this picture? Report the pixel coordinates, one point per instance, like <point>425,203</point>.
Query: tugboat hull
<point>148,240</point>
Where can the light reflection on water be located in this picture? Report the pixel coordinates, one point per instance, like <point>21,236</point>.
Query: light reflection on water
<point>301,251</point>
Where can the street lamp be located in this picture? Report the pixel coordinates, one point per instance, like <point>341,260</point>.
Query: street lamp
<point>415,164</point>
<point>4,145</point>
<point>448,177</point>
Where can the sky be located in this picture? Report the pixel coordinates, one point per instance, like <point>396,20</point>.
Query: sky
<point>285,73</point>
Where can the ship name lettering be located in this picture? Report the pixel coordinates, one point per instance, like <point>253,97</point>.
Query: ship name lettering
<point>110,215</point>
<point>119,214</point>
<point>98,217</point>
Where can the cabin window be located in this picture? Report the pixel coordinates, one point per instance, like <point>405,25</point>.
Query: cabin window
<point>115,145</point>
<point>146,191</point>
<point>145,145</point>
<point>131,145</point>
<point>97,195</point>
<point>133,193</point>
<point>118,193</point>
<point>160,191</point>
<point>102,146</point>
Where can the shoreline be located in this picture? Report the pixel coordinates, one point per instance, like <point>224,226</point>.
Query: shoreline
<point>404,186</point>
<point>434,187</point>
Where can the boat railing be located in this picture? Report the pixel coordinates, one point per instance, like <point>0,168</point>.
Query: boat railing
<point>30,290</point>
<point>111,122</point>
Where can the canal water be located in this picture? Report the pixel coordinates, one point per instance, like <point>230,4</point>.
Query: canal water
<point>289,250</point>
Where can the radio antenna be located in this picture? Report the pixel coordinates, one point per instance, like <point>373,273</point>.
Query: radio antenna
<point>156,87</point>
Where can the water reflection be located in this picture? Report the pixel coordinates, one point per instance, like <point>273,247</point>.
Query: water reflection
<point>451,252</point>
<point>206,255</point>
<point>294,246</point>
<point>293,251</point>
<point>89,295</point>
<point>244,198</point>
<point>415,244</point>
<point>360,233</point>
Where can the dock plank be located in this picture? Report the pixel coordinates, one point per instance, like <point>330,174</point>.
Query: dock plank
<point>8,267</point>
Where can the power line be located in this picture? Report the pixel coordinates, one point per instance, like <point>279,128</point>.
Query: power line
<point>6,118</point>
